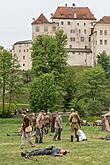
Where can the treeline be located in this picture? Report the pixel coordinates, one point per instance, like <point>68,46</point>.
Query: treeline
<point>51,84</point>
<point>56,86</point>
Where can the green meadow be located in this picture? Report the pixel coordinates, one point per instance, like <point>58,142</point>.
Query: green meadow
<point>90,152</point>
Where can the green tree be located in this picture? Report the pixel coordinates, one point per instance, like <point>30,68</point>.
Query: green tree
<point>104,60</point>
<point>70,86</point>
<point>27,76</point>
<point>45,94</point>
<point>91,91</point>
<point>49,58</point>
<point>49,55</point>
<point>15,82</point>
<point>8,76</point>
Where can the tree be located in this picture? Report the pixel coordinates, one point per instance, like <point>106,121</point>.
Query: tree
<point>49,55</point>
<point>49,58</point>
<point>27,76</point>
<point>70,86</point>
<point>104,61</point>
<point>91,91</point>
<point>45,94</point>
<point>8,76</point>
<point>15,81</point>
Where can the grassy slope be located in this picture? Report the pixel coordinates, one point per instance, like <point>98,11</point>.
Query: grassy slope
<point>91,152</point>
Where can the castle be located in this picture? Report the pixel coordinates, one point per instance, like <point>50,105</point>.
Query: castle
<point>86,37</point>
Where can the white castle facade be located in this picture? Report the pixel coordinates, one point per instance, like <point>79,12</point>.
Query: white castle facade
<point>86,37</point>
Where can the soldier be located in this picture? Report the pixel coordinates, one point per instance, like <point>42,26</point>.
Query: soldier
<point>52,118</point>
<point>74,120</point>
<point>33,121</point>
<point>44,151</point>
<point>47,123</point>
<point>26,131</point>
<point>39,126</point>
<point>58,127</point>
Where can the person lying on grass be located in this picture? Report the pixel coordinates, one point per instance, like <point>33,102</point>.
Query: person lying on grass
<point>51,150</point>
<point>105,138</point>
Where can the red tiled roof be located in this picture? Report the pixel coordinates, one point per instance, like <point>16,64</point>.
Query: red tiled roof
<point>73,13</point>
<point>40,20</point>
<point>105,19</point>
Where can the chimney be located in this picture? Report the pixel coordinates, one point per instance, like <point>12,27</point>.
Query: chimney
<point>66,5</point>
<point>52,14</point>
<point>33,19</point>
<point>73,5</point>
<point>75,16</point>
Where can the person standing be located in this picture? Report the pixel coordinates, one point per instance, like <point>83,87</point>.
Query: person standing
<point>33,121</point>
<point>39,127</point>
<point>52,122</point>
<point>58,127</point>
<point>26,131</point>
<point>47,123</point>
<point>74,120</point>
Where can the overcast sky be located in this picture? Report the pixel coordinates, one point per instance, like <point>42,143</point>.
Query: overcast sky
<point>16,15</point>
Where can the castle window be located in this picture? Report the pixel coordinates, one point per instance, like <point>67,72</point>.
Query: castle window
<point>62,23</point>
<point>69,22</point>
<point>45,28</point>
<point>105,32</point>
<point>37,28</point>
<point>105,42</point>
<point>82,39</point>
<point>101,42</point>
<point>84,31</point>
<point>72,31</point>
<point>70,46</point>
<point>54,28</point>
<point>101,32</point>
<point>72,38</point>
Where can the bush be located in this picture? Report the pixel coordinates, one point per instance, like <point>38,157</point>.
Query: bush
<point>12,109</point>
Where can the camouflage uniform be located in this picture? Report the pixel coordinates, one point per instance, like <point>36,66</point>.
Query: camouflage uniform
<point>74,120</point>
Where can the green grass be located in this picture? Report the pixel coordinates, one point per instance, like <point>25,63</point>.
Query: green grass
<point>91,152</point>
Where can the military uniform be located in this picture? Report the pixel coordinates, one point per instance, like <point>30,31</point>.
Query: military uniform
<point>74,120</point>
<point>39,127</point>
<point>25,135</point>
<point>58,127</point>
<point>34,122</point>
<point>46,123</point>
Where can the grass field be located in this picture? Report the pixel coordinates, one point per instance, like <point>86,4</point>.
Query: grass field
<point>91,152</point>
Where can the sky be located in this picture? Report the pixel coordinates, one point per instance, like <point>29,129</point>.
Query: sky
<point>16,16</point>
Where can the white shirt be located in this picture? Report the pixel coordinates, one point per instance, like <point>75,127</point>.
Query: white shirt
<point>81,135</point>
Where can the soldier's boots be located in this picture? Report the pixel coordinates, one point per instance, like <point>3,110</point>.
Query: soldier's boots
<point>36,140</point>
<point>40,141</point>
<point>77,138</point>
<point>71,138</point>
